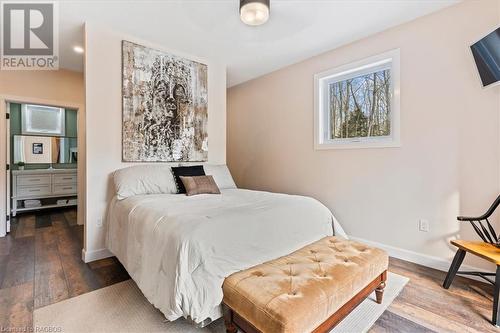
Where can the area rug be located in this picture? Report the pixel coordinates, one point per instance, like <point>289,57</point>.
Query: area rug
<point>122,308</point>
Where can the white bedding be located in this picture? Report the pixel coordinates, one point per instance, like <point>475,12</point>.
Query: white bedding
<point>179,249</point>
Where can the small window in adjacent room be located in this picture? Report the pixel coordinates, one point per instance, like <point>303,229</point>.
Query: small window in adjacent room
<point>357,105</point>
<point>42,119</point>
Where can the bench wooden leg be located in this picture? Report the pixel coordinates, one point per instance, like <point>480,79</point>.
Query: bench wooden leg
<point>379,291</point>
<point>455,265</point>
<point>228,319</point>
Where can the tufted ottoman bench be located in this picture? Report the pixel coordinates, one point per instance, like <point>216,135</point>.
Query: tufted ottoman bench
<point>309,290</point>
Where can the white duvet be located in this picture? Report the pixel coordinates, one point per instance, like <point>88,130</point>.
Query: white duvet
<point>179,249</point>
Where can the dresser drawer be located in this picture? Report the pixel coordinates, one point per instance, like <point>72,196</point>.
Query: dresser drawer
<point>33,191</point>
<point>64,189</point>
<point>64,179</point>
<point>32,180</point>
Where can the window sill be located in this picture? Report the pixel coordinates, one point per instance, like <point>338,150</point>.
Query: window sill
<point>357,145</point>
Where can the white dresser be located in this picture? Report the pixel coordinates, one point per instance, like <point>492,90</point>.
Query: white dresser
<point>48,184</point>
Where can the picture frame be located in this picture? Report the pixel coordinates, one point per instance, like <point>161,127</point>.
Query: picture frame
<point>37,148</point>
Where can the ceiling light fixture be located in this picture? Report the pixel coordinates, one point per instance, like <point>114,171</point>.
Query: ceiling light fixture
<point>254,12</point>
<point>78,49</point>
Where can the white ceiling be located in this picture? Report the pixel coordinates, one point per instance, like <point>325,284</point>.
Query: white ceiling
<point>296,30</point>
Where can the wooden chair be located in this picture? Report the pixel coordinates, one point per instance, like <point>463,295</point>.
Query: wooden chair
<point>488,249</point>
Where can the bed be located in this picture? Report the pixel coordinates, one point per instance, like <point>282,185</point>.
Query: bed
<point>179,249</point>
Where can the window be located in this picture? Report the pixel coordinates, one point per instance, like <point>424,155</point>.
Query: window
<point>45,120</point>
<point>357,105</point>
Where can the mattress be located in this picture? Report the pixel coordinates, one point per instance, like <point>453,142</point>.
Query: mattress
<point>179,249</point>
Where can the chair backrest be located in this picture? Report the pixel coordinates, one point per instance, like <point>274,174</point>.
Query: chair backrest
<point>488,234</point>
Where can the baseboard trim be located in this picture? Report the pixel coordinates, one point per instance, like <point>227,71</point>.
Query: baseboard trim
<point>419,258</point>
<point>89,256</point>
<point>396,252</point>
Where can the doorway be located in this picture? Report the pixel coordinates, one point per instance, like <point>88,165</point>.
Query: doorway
<point>41,162</point>
<point>42,155</point>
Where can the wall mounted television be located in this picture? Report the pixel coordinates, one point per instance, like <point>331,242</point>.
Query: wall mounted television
<point>486,53</point>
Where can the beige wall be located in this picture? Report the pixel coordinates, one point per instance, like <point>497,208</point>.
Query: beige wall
<point>449,160</point>
<point>61,88</point>
<point>51,85</point>
<point>103,82</point>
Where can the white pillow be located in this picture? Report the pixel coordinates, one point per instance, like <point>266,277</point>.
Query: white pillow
<point>144,179</point>
<point>221,175</point>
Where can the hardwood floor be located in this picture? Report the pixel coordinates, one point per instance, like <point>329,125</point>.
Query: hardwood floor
<point>425,306</point>
<point>40,264</point>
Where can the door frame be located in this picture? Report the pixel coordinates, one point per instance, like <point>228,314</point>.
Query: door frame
<point>4,158</point>
<point>7,173</point>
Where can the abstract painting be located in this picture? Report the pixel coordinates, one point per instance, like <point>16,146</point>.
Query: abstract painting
<point>165,106</point>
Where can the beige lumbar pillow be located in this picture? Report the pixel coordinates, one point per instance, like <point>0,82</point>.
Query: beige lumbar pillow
<point>200,185</point>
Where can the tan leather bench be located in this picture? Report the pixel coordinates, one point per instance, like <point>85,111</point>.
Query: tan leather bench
<point>309,290</point>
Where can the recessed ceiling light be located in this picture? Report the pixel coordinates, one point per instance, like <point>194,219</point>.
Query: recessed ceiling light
<point>254,12</point>
<point>78,49</point>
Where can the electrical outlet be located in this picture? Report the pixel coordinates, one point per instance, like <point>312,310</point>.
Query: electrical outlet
<point>423,225</point>
<point>99,222</point>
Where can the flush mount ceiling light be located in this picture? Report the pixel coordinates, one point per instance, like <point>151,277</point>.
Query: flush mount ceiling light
<point>254,12</point>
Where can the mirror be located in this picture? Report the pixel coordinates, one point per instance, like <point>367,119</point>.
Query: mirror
<point>44,149</point>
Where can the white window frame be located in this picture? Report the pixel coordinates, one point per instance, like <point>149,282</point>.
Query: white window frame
<point>322,138</point>
<point>28,127</point>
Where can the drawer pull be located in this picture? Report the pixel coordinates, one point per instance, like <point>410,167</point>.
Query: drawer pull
<point>35,190</point>
<point>34,180</point>
<point>67,178</point>
<point>67,188</point>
